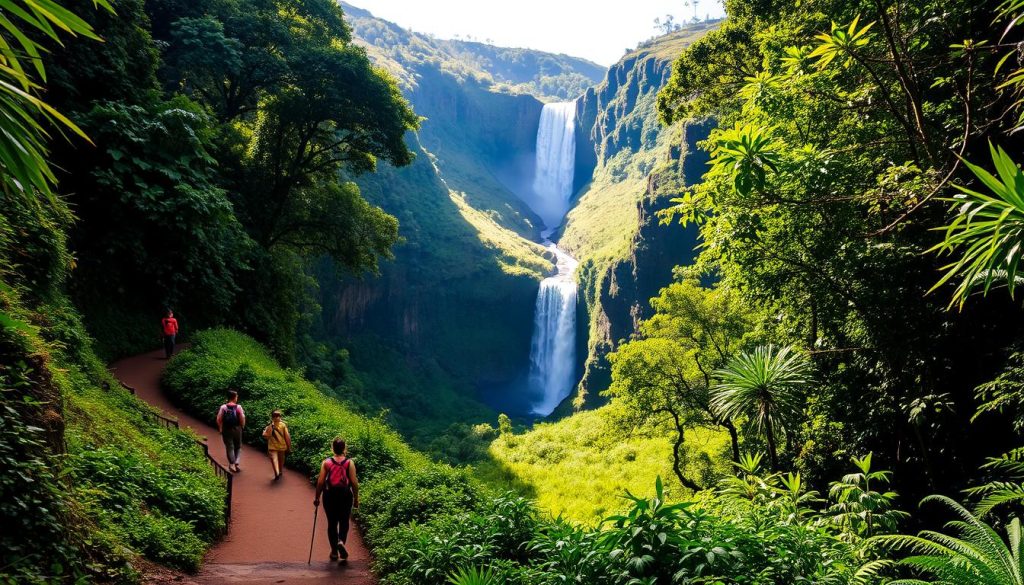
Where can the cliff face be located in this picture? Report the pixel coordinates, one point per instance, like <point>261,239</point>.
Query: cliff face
<point>629,167</point>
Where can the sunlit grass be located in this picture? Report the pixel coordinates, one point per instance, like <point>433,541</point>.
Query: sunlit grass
<point>579,467</point>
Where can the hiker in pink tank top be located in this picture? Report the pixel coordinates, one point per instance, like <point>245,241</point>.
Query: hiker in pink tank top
<point>339,485</point>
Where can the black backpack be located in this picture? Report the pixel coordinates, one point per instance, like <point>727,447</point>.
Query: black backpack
<point>230,418</point>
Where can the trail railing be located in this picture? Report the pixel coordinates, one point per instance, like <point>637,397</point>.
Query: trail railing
<point>220,470</point>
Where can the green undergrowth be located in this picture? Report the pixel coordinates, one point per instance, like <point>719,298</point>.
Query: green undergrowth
<point>427,522</point>
<point>96,485</point>
<point>580,466</point>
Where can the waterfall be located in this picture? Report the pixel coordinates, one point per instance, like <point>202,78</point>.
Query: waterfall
<point>553,348</point>
<point>555,163</point>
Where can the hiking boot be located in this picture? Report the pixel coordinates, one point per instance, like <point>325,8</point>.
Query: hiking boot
<point>342,551</point>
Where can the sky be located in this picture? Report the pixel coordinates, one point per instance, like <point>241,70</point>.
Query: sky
<point>597,30</point>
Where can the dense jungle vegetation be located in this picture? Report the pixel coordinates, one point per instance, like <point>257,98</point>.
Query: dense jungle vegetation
<point>222,128</point>
<point>846,346</point>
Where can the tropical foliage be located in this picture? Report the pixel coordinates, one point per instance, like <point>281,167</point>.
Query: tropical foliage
<point>844,129</point>
<point>974,552</point>
<point>849,177</point>
<point>25,116</point>
<point>764,386</point>
<point>989,229</point>
<point>668,374</point>
<point>226,146</point>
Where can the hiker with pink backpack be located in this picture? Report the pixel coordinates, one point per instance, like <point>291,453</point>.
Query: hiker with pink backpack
<point>339,485</point>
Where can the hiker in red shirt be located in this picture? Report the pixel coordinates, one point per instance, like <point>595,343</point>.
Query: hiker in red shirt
<point>170,329</point>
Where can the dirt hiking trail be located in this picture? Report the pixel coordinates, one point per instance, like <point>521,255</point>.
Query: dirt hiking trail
<point>271,522</point>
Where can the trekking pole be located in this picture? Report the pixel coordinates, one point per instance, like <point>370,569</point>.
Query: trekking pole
<point>316,508</point>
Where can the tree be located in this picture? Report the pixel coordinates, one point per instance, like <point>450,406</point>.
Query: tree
<point>264,111</point>
<point>302,106</point>
<point>655,380</point>
<point>830,164</point>
<point>765,386</point>
<point>666,375</point>
<point>338,115</point>
<point>150,205</point>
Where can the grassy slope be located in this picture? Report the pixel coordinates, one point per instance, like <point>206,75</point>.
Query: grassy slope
<point>220,359</point>
<point>580,466</point>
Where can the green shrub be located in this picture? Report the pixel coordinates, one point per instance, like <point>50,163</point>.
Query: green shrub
<point>164,539</point>
<point>33,502</point>
<point>199,378</point>
<point>416,496</point>
<point>123,481</point>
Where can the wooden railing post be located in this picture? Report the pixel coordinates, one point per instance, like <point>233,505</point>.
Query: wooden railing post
<point>221,471</point>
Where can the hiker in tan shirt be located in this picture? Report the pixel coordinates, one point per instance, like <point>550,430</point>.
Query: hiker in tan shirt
<point>279,442</point>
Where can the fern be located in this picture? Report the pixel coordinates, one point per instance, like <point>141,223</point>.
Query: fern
<point>1004,491</point>
<point>973,553</point>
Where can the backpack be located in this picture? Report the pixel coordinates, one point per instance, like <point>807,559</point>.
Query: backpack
<point>230,418</point>
<point>337,474</point>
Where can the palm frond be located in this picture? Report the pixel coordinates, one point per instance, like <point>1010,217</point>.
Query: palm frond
<point>764,385</point>
<point>24,170</point>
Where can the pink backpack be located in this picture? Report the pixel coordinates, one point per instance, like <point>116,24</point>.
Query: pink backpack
<point>337,474</point>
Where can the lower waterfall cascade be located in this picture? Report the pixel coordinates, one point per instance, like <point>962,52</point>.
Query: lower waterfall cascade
<point>553,347</point>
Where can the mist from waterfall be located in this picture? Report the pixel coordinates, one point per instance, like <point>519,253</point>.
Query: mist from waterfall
<point>555,162</point>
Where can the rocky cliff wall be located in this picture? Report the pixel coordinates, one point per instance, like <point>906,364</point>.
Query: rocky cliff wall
<point>628,169</point>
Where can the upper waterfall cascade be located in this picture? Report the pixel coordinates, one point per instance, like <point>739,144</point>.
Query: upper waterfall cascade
<point>555,162</point>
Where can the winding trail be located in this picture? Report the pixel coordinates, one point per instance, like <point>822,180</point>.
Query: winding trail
<point>271,522</point>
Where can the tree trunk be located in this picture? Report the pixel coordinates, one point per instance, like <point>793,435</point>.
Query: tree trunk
<point>734,437</point>
<point>773,455</point>
<point>677,457</point>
